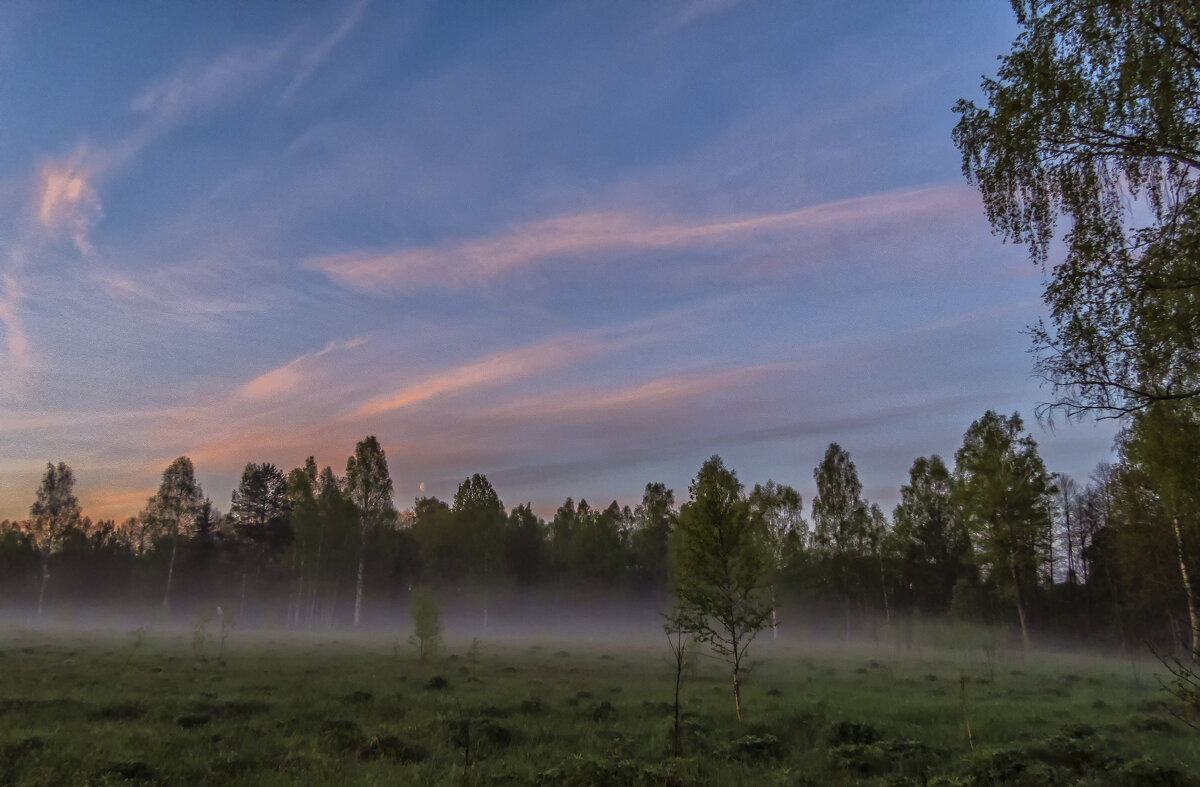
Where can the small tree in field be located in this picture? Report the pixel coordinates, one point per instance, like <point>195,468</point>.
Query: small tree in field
<point>680,643</point>
<point>723,568</point>
<point>427,623</point>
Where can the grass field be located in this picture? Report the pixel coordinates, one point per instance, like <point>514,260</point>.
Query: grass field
<point>159,707</point>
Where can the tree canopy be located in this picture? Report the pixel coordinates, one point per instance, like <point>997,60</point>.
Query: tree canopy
<point>723,568</point>
<point>1006,497</point>
<point>1094,117</point>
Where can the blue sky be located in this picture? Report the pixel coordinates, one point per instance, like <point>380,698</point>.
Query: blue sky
<point>578,247</point>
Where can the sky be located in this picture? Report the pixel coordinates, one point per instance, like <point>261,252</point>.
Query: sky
<point>575,246</point>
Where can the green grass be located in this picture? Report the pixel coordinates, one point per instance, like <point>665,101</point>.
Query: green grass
<point>152,709</point>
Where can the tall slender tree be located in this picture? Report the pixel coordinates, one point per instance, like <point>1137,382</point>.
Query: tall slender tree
<point>260,510</point>
<point>52,515</point>
<point>931,536</point>
<point>1069,499</point>
<point>841,521</point>
<point>172,510</point>
<point>655,517</point>
<point>337,543</point>
<point>525,541</point>
<point>1007,500</point>
<point>1163,442</point>
<point>369,487</point>
<point>479,518</point>
<point>780,508</point>
<point>306,525</point>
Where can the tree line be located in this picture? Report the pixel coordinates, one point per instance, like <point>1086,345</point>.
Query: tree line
<point>994,538</point>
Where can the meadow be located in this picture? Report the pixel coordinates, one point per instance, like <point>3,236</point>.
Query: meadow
<point>159,706</point>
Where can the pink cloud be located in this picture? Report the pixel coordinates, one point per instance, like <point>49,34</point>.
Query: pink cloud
<point>292,374</point>
<point>66,199</point>
<point>17,342</point>
<point>490,371</point>
<point>459,264</point>
<point>647,396</point>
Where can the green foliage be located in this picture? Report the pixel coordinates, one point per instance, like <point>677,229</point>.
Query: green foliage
<point>723,567</point>
<point>780,508</point>
<point>369,488</point>
<point>56,509</point>
<point>1096,107</point>
<point>933,541</point>
<point>840,516</point>
<point>1006,499</point>
<point>261,508</point>
<point>368,484</point>
<point>479,520</point>
<point>655,518</point>
<point>172,510</point>
<point>525,540</point>
<point>597,548</point>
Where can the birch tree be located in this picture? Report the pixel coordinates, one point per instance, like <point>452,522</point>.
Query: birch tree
<point>841,520</point>
<point>53,513</point>
<point>173,508</point>
<point>1007,501</point>
<point>780,508</point>
<point>1164,443</point>
<point>370,489</point>
<point>1091,125</point>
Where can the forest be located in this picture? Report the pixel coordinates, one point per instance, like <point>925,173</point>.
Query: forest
<point>992,537</point>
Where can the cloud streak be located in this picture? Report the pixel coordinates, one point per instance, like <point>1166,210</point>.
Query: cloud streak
<point>491,371</point>
<point>323,49</point>
<point>65,196</point>
<point>68,202</point>
<point>60,204</point>
<point>201,86</point>
<point>16,341</point>
<point>472,262</point>
<point>651,395</point>
<point>291,375</point>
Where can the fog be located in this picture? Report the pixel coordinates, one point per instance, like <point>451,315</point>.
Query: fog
<point>615,619</point>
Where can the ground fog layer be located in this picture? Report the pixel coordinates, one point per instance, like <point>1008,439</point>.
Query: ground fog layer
<point>159,706</point>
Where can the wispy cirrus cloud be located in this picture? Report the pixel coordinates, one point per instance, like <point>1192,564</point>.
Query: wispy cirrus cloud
<point>61,204</point>
<point>698,9</point>
<point>201,85</point>
<point>20,354</point>
<point>459,264</point>
<point>292,374</point>
<point>320,52</point>
<point>490,371</point>
<point>650,395</point>
<point>64,196</point>
<point>68,203</point>
<point>193,293</point>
